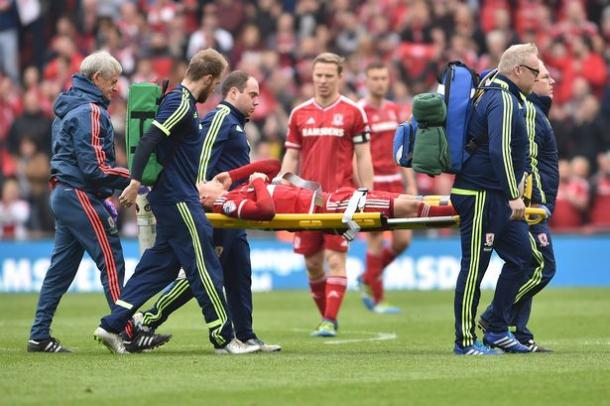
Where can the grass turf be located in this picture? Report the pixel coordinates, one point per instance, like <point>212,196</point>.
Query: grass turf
<point>376,359</point>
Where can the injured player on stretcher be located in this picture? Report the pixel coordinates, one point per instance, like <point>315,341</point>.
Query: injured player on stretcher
<point>261,199</point>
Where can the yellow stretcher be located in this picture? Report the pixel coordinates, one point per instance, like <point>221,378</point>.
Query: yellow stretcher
<point>334,222</point>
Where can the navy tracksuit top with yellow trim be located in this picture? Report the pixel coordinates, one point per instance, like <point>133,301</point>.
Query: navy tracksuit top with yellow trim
<point>547,181</point>
<point>499,163</point>
<point>225,145</point>
<point>179,151</point>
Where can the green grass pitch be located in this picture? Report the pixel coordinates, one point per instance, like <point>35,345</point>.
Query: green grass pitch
<point>401,359</point>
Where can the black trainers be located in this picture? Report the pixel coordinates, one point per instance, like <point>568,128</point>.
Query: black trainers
<point>534,347</point>
<point>49,345</point>
<point>145,341</point>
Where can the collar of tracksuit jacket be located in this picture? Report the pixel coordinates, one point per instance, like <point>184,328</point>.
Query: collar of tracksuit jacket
<point>512,87</point>
<point>241,117</point>
<point>83,91</point>
<point>543,102</point>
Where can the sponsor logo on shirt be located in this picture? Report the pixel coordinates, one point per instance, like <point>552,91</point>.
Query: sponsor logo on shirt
<point>384,126</point>
<point>310,120</point>
<point>323,131</point>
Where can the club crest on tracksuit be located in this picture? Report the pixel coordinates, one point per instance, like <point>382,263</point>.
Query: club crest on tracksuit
<point>112,228</point>
<point>543,240</point>
<point>489,241</point>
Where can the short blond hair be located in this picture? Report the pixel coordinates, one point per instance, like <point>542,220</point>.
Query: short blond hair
<point>329,57</point>
<point>206,62</point>
<point>516,55</point>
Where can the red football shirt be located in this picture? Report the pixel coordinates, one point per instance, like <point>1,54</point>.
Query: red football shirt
<point>241,202</point>
<point>383,122</point>
<point>325,137</point>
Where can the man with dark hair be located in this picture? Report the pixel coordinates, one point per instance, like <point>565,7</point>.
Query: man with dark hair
<point>225,148</point>
<point>184,236</point>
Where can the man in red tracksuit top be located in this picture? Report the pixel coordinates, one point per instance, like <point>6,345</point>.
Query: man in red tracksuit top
<point>260,200</point>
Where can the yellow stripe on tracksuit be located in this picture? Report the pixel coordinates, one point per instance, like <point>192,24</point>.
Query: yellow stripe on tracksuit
<point>475,255</point>
<point>176,116</point>
<point>507,121</point>
<point>537,276</point>
<point>206,280</point>
<point>210,138</point>
<point>178,289</point>
<point>530,121</point>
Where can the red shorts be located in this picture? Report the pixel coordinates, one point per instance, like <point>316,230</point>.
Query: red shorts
<point>394,187</point>
<point>376,201</point>
<point>310,242</point>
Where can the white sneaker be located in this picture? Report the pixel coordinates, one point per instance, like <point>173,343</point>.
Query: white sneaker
<point>112,341</point>
<point>264,346</point>
<point>236,347</point>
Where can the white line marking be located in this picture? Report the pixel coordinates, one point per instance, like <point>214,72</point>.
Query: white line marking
<point>378,337</point>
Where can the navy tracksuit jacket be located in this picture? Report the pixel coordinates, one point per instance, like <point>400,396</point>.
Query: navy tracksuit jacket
<point>225,148</point>
<point>184,235</point>
<point>480,195</point>
<point>83,174</point>
<point>544,158</point>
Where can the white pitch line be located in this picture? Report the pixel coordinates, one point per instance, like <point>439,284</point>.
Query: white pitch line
<point>377,336</point>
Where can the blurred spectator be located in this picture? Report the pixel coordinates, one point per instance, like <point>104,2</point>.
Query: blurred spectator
<point>14,212</point>
<point>9,36</point>
<point>600,211</point>
<point>33,175</point>
<point>210,34</point>
<point>575,23</point>
<point>32,124</point>
<point>10,107</point>
<point>276,40</point>
<point>572,195</point>
<point>579,61</point>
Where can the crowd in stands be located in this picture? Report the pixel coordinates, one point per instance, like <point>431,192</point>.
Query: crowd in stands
<point>43,42</point>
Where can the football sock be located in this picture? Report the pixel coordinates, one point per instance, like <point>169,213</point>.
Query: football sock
<point>335,291</point>
<point>317,288</point>
<point>372,275</point>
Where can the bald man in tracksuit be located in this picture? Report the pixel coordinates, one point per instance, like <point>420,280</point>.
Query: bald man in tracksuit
<point>487,196</point>
<point>545,171</point>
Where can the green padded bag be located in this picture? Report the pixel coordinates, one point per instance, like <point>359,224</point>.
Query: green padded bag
<point>142,105</point>
<point>430,150</point>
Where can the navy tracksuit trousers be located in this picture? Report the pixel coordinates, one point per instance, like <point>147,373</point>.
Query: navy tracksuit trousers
<point>485,225</point>
<point>542,270</point>
<point>184,240</point>
<point>82,223</point>
<point>234,252</point>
